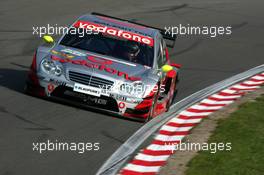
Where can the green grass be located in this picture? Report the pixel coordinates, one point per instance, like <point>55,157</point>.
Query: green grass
<point>245,130</point>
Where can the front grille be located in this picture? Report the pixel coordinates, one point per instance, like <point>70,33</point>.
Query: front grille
<point>90,80</point>
<point>63,92</point>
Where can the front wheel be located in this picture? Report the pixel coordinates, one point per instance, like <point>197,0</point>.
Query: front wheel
<point>152,109</point>
<point>172,98</point>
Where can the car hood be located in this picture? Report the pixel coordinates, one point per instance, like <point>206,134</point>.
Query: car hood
<point>99,65</point>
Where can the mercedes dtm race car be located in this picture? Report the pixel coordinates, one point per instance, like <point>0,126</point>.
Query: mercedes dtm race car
<point>118,66</point>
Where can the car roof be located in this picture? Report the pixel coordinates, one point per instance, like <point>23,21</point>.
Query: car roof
<point>123,25</point>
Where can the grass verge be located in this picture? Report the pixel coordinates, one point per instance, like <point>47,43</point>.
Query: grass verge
<point>245,130</point>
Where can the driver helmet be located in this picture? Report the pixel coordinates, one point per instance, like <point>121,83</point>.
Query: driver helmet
<point>132,52</point>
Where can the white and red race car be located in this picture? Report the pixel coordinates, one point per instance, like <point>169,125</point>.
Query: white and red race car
<point>120,66</point>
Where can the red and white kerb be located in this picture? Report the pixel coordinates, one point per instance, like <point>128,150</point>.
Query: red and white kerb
<point>115,32</point>
<point>149,160</point>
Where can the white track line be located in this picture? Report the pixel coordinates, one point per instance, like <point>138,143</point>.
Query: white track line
<point>215,102</point>
<point>168,147</point>
<point>174,129</point>
<point>142,169</point>
<point>184,121</point>
<point>201,107</point>
<point>225,97</point>
<point>146,157</point>
<point>257,77</point>
<point>164,138</point>
<point>192,114</point>
<point>242,87</point>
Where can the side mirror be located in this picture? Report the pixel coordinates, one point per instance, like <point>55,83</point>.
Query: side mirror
<point>176,65</point>
<point>166,68</point>
<point>48,39</point>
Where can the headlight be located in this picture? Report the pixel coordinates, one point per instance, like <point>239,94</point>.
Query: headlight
<point>136,89</point>
<point>49,67</point>
<point>58,71</point>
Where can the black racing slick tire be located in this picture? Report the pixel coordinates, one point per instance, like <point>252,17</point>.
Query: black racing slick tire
<point>152,109</point>
<point>174,95</point>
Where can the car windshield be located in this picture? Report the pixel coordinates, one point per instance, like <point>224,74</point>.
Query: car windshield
<point>109,45</point>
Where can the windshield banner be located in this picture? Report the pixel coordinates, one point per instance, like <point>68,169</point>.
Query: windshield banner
<point>115,32</point>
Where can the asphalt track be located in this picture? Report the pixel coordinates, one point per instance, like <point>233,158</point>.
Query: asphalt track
<point>25,119</point>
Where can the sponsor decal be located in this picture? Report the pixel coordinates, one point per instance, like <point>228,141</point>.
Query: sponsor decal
<point>118,97</point>
<point>62,54</point>
<point>100,64</point>
<point>105,92</point>
<point>97,100</point>
<point>74,52</point>
<point>115,32</point>
<point>86,89</point>
<point>51,87</point>
<point>75,94</point>
<point>125,99</point>
<point>121,105</point>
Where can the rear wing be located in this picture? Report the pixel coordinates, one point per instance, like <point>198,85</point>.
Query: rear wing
<point>166,36</point>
